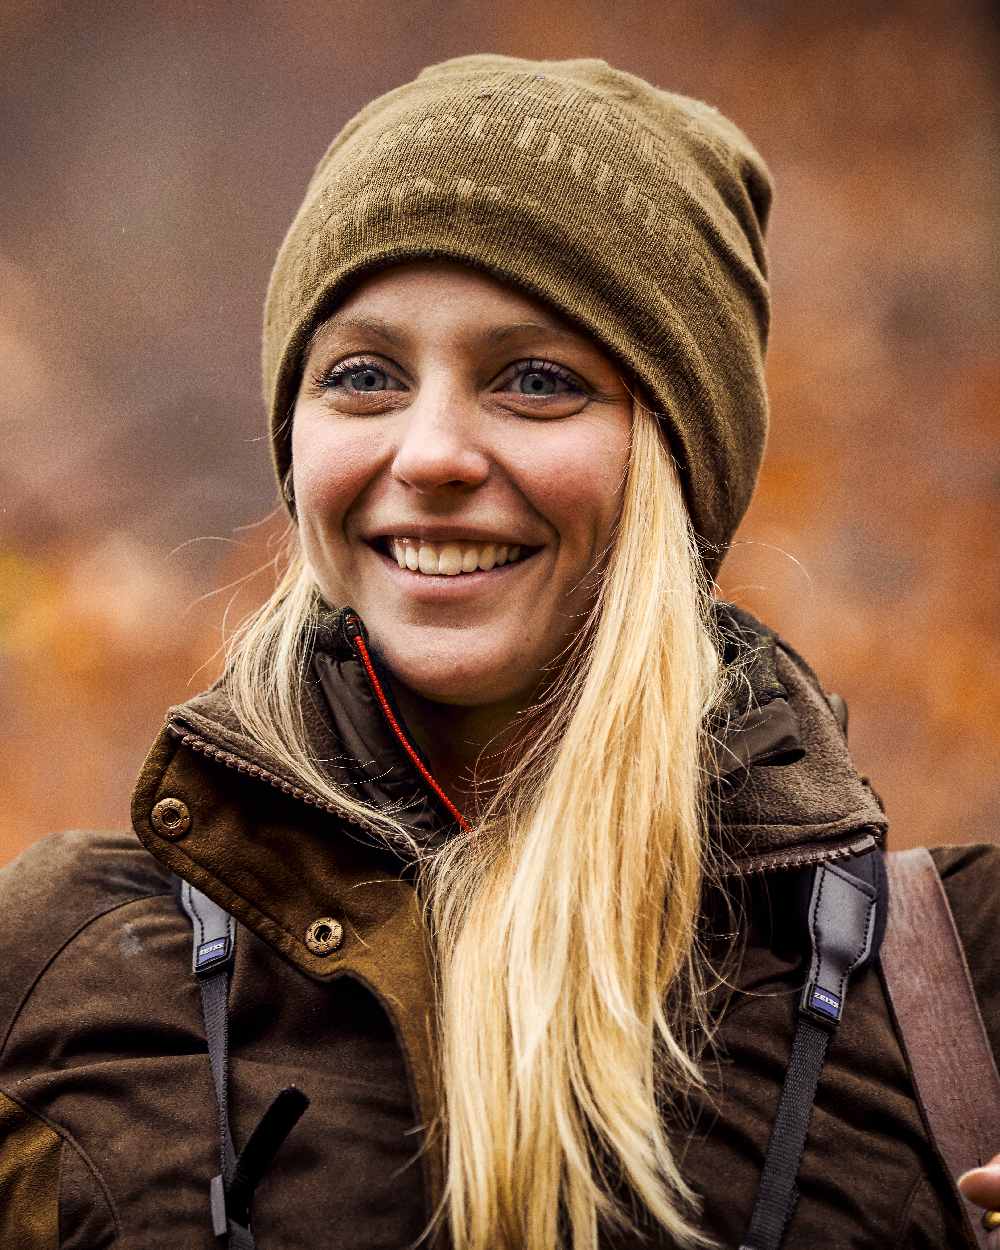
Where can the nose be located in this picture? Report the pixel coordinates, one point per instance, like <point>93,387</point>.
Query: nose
<point>440,442</point>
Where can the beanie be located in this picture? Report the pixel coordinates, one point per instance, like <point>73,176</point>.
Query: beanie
<point>636,213</point>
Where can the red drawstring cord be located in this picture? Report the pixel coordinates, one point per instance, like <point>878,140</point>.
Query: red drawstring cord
<point>362,650</point>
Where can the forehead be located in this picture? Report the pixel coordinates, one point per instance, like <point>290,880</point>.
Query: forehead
<point>445,296</point>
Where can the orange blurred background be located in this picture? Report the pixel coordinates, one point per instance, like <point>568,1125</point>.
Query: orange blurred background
<point>153,156</point>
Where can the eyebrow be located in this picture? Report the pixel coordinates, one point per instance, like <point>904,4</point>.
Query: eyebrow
<point>386,331</point>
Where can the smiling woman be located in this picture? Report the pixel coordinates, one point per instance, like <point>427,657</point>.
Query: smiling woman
<point>461,487</point>
<point>499,815</point>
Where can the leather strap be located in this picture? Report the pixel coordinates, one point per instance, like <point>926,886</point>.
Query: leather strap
<point>953,1067</point>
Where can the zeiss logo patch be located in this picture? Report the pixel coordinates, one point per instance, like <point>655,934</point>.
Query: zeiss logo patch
<point>212,952</point>
<point>826,1003</point>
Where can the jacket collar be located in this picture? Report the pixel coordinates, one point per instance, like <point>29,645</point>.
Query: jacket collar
<point>786,794</point>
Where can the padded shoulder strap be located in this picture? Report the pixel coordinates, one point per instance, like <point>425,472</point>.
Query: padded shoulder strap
<point>954,1069</point>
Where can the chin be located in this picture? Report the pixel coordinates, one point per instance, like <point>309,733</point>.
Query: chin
<point>434,674</point>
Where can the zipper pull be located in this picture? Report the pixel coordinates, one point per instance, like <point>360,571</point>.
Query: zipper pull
<point>351,627</point>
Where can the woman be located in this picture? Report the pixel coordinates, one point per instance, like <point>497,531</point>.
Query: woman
<point>512,814</point>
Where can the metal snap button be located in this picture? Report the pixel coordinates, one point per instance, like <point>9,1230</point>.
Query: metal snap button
<point>171,818</point>
<point>324,935</point>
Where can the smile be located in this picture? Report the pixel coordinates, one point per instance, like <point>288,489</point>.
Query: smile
<point>451,559</point>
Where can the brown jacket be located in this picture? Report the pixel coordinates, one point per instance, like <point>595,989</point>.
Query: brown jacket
<point>108,1133</point>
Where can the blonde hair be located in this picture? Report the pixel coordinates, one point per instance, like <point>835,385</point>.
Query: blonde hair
<point>564,921</point>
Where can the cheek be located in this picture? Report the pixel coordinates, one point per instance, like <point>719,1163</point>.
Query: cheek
<point>576,479</point>
<point>332,463</point>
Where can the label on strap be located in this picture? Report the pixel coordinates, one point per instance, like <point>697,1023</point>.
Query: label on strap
<point>211,953</point>
<point>825,1002</point>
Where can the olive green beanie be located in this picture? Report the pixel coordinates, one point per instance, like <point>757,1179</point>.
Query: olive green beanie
<point>636,213</point>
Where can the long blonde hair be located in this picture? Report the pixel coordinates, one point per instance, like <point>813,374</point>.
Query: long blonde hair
<point>564,921</point>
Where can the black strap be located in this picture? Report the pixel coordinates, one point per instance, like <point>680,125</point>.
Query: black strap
<point>231,1192</point>
<point>843,925</point>
<point>261,1147</point>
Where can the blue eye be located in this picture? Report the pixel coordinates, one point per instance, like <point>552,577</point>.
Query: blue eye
<point>366,376</point>
<point>542,373</point>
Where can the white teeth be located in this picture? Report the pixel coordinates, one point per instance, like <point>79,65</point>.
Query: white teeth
<point>451,558</point>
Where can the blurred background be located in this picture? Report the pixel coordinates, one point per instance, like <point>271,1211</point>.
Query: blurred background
<point>152,158</point>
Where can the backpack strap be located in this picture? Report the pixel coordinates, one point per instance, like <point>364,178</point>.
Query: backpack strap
<point>953,1067</point>
<point>845,927</point>
<point>231,1192</point>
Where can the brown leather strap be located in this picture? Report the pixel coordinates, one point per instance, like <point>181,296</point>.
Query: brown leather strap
<point>954,1069</point>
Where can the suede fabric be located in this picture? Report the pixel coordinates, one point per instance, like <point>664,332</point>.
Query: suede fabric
<point>110,1048</point>
<point>29,1175</point>
<point>767,810</point>
<point>102,1048</point>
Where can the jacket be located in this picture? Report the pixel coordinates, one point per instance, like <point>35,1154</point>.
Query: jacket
<point>108,1126</point>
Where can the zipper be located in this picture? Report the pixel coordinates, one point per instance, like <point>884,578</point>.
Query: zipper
<point>353,631</point>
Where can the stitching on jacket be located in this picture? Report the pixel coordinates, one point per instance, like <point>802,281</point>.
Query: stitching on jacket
<point>429,1130</point>
<point>67,1138</point>
<point>794,859</point>
<point>903,1222</point>
<point>16,1013</point>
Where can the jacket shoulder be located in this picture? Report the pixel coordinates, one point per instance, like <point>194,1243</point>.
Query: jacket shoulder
<point>971,879</point>
<point>53,891</point>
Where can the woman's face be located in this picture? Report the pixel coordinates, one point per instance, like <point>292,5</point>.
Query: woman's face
<point>445,421</point>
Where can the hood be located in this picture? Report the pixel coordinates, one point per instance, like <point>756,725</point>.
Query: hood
<point>781,805</point>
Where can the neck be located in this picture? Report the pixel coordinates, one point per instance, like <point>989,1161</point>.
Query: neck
<point>469,748</point>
